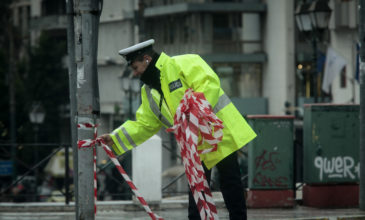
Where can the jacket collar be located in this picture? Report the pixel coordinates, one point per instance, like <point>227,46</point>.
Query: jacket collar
<point>151,75</point>
<point>161,63</point>
<point>162,60</point>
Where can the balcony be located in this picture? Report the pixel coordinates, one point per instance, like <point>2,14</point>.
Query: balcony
<point>210,7</point>
<point>50,22</point>
<point>236,46</point>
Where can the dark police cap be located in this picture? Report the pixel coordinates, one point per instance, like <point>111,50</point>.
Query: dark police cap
<point>130,53</point>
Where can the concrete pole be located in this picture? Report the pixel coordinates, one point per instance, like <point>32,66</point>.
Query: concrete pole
<point>88,107</point>
<point>362,103</point>
<point>72,91</point>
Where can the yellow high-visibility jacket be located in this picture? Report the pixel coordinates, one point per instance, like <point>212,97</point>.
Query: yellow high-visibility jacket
<point>177,74</point>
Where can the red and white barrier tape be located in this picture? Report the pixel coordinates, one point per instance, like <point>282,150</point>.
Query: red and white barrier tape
<point>195,117</point>
<point>98,141</point>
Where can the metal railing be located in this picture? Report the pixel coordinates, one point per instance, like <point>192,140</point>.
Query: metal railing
<point>26,187</point>
<point>36,185</point>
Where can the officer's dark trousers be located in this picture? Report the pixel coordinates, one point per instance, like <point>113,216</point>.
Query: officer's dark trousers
<point>231,188</point>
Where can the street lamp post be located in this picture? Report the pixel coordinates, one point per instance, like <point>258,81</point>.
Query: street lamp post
<point>131,86</point>
<point>313,18</point>
<point>36,116</point>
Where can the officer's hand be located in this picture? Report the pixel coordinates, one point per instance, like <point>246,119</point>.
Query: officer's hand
<point>107,139</point>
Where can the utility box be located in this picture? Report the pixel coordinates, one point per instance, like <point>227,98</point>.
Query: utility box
<point>270,154</point>
<point>331,144</point>
<point>270,162</point>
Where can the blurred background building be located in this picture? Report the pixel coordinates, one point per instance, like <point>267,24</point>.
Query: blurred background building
<point>265,63</point>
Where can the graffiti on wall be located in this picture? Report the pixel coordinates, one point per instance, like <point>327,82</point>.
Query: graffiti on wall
<point>266,167</point>
<point>337,167</point>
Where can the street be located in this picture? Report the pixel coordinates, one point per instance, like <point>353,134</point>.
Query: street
<point>169,209</point>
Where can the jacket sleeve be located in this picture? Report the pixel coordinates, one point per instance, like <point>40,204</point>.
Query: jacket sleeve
<point>133,133</point>
<point>201,78</point>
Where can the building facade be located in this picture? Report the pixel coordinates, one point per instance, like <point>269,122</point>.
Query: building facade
<point>253,45</point>
<point>344,39</point>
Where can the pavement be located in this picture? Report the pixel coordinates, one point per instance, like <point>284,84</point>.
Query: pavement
<point>170,208</point>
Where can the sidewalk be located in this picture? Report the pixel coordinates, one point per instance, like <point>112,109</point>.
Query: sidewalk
<point>173,208</point>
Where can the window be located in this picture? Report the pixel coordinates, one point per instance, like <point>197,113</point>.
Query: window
<point>227,30</point>
<point>53,7</point>
<point>240,79</point>
<point>343,80</point>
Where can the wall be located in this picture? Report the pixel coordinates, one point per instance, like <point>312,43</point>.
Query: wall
<point>116,31</point>
<point>343,38</point>
<point>114,36</point>
<point>344,43</point>
<point>278,75</point>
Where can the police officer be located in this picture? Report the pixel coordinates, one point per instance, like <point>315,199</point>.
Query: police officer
<point>165,82</point>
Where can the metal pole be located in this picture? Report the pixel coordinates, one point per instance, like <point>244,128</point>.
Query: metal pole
<point>72,93</point>
<point>86,31</point>
<point>362,103</point>
<point>12,102</point>
<point>36,159</point>
<point>130,103</point>
<point>314,63</point>
<point>67,176</point>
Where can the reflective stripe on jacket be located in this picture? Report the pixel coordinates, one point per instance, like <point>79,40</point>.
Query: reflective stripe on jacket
<point>178,74</point>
